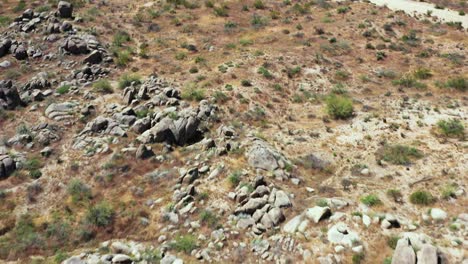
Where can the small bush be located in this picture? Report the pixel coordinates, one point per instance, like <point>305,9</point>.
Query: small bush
<point>451,128</point>
<point>4,21</point>
<point>103,86</point>
<point>293,72</point>
<point>63,89</point>
<point>258,4</point>
<point>457,83</point>
<point>343,9</point>
<point>392,241</point>
<point>448,191</point>
<point>399,154</point>
<point>221,11</point>
<point>220,97</point>
<point>235,178</point>
<point>122,57</point>
<point>246,83</point>
<point>371,200</point>
<point>408,82</point>
<point>358,258</point>
<point>100,215</point>
<point>192,93</point>
<point>264,71</point>
<point>127,79</point>
<point>79,191</point>
<point>185,243</point>
<point>339,106</point>
<point>395,194</point>
<point>258,21</point>
<point>20,6</point>
<point>209,218</point>
<point>421,197</point>
<point>422,73</point>
<point>120,38</point>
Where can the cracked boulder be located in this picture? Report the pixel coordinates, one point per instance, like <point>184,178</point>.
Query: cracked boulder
<point>9,96</point>
<point>61,111</point>
<point>7,166</point>
<point>182,129</point>
<point>64,9</point>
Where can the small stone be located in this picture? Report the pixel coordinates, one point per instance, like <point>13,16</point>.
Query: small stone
<point>438,214</point>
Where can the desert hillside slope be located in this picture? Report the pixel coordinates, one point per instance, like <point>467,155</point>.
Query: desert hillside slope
<point>249,131</point>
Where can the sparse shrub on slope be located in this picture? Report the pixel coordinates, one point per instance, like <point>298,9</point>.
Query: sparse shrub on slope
<point>339,106</point>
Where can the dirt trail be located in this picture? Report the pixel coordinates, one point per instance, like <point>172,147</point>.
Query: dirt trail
<point>421,8</point>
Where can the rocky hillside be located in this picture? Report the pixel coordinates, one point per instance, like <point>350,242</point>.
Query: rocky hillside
<point>253,131</point>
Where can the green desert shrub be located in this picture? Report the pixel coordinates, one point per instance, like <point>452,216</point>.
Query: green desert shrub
<point>100,215</point>
<point>185,243</point>
<point>127,79</point>
<point>63,89</point>
<point>192,93</point>
<point>79,191</point>
<point>209,218</point>
<point>339,106</point>
<point>103,86</point>
<point>371,200</point>
<point>459,83</point>
<point>421,197</point>
<point>399,154</point>
<point>451,128</point>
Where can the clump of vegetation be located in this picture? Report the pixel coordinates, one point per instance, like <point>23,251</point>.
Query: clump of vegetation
<point>358,258</point>
<point>103,86</point>
<point>20,6</point>
<point>122,57</point>
<point>185,243</point>
<point>221,11</point>
<point>422,73</point>
<point>458,83</point>
<point>409,81</point>
<point>371,200</point>
<point>421,197</point>
<point>293,72</point>
<point>192,93</point>
<point>265,72</point>
<point>258,21</point>
<point>120,38</point>
<point>235,178</point>
<point>399,154</point>
<point>63,89</point>
<point>79,191</point>
<point>451,128</point>
<point>339,106</point>
<point>220,97</point>
<point>246,83</point>
<point>392,241</point>
<point>448,191</point>
<point>395,194</point>
<point>209,218</point>
<point>33,165</point>
<point>127,79</point>
<point>100,215</point>
<point>4,21</point>
<point>258,4</point>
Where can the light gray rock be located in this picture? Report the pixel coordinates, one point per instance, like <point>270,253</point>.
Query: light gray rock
<point>74,260</point>
<point>292,225</point>
<point>404,253</point>
<point>341,234</point>
<point>318,213</point>
<point>427,255</point>
<point>438,214</point>
<point>252,205</point>
<point>282,199</point>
